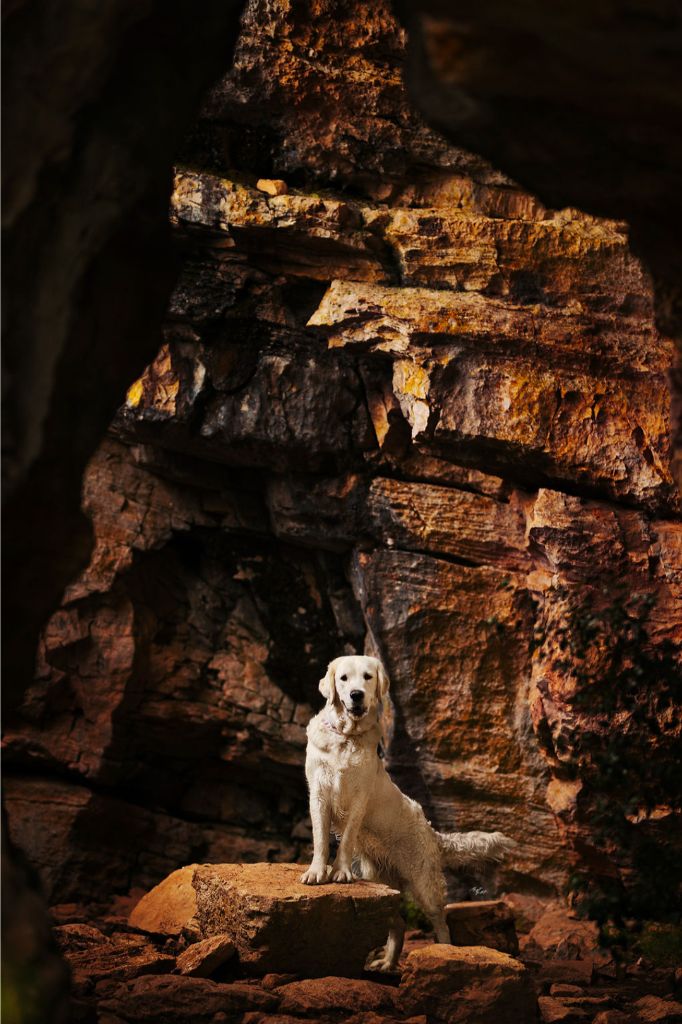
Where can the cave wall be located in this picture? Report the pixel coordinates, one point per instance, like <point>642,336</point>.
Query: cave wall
<point>401,405</point>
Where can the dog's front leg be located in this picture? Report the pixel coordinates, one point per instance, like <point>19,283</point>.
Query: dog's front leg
<point>321,817</point>
<point>342,868</point>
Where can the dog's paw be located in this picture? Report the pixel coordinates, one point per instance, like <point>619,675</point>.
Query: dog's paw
<point>342,875</point>
<point>381,963</point>
<point>315,875</point>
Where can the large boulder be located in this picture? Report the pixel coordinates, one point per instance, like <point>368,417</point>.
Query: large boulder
<point>469,984</point>
<point>277,924</point>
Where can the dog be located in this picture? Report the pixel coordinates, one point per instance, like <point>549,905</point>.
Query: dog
<point>386,832</point>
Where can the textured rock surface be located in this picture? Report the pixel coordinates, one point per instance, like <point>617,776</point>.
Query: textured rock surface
<point>485,923</point>
<point>468,983</point>
<point>399,403</point>
<point>204,957</point>
<point>280,925</point>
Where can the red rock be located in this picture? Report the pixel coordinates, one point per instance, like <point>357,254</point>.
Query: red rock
<point>177,1000</point>
<point>526,910</point>
<point>653,1009</point>
<point>467,983</point>
<point>318,995</point>
<point>202,958</point>
<point>260,907</point>
<point>569,972</point>
<point>170,907</point>
<point>560,933</point>
<point>483,923</point>
<point>613,1017</point>
<point>94,956</point>
<point>272,187</point>
<point>553,1011</point>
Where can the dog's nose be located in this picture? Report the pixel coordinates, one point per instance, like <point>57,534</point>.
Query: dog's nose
<point>356,696</point>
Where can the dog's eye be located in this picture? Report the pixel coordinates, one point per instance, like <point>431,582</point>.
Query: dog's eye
<point>344,678</point>
<point>367,675</point>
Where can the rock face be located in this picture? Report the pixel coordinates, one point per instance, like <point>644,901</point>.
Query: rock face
<point>400,404</point>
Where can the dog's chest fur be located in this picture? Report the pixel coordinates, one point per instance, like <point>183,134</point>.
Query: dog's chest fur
<point>342,765</point>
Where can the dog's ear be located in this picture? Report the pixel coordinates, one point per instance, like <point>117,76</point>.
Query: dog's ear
<point>384,682</point>
<point>328,684</point>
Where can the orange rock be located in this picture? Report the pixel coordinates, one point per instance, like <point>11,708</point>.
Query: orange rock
<point>272,187</point>
<point>467,983</point>
<point>319,994</point>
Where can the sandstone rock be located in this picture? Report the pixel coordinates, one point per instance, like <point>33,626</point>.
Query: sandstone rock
<point>526,910</point>
<point>560,933</point>
<point>554,1011</point>
<point>94,956</point>
<point>260,906</point>
<point>176,1000</point>
<point>272,187</point>
<point>613,1017</point>
<point>448,521</point>
<point>560,990</point>
<point>467,983</point>
<point>486,923</point>
<point>301,235</point>
<point>652,1009</point>
<point>568,972</point>
<point>317,995</point>
<point>171,906</point>
<point>202,958</point>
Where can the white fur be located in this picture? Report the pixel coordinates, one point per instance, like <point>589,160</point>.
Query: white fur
<point>352,794</point>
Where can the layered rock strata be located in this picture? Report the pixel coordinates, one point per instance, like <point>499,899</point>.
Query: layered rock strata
<point>401,405</point>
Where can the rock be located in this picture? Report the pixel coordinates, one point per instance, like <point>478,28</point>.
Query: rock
<point>559,990</point>
<point>654,1010</point>
<point>553,1011</point>
<point>171,906</point>
<point>526,910</point>
<point>272,981</point>
<point>435,520</point>
<point>569,972</point>
<point>613,1017</point>
<point>261,907</point>
<point>176,1000</point>
<point>560,933</point>
<point>467,983</point>
<point>94,956</point>
<point>272,187</point>
<point>202,958</point>
<point>318,995</point>
<point>485,923</point>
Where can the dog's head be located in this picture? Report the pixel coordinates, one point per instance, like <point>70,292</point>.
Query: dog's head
<point>357,681</point>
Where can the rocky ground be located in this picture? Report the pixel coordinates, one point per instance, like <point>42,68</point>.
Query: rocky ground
<point>249,944</point>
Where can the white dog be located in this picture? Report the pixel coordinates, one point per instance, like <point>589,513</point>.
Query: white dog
<point>351,794</point>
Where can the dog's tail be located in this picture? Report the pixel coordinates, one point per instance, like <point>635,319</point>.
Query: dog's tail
<point>473,849</point>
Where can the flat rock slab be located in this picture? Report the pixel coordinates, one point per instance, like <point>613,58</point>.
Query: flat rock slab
<point>280,925</point>
<point>277,925</point>
<point>467,984</point>
<point>201,959</point>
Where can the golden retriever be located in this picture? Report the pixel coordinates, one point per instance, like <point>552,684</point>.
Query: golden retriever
<point>352,795</point>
